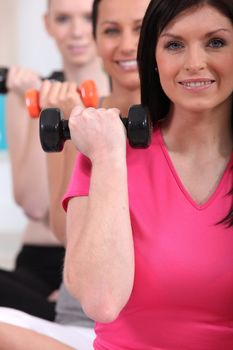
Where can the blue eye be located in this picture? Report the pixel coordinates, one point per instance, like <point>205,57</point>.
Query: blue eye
<point>174,45</point>
<point>216,43</point>
<point>111,31</point>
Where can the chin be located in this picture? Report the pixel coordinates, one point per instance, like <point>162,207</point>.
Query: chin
<point>198,108</point>
<point>131,84</point>
<point>79,61</point>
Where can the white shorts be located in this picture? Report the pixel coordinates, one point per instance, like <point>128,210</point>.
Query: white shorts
<point>77,337</point>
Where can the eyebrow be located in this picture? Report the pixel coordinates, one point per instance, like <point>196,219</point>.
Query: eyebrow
<point>136,21</point>
<point>206,35</point>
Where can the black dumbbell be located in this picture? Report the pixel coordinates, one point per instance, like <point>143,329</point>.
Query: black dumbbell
<point>3,77</point>
<point>57,75</point>
<point>54,130</point>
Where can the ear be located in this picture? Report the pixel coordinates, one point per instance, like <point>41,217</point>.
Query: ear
<point>47,24</point>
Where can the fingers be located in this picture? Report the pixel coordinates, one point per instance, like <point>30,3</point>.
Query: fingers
<point>97,132</point>
<point>59,95</point>
<point>19,80</point>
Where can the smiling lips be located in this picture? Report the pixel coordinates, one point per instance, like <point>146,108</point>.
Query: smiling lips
<point>196,84</point>
<point>78,48</point>
<point>129,65</point>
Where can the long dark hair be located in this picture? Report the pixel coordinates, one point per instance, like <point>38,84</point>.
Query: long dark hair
<point>159,13</point>
<point>95,16</point>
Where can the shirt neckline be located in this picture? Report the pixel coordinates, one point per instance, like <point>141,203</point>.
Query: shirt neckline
<point>212,197</point>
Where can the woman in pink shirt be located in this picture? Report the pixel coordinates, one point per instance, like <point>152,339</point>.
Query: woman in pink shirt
<point>117,27</point>
<point>149,231</point>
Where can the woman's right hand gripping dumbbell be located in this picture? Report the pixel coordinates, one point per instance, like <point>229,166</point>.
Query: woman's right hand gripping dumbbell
<point>20,80</point>
<point>54,94</point>
<point>98,133</point>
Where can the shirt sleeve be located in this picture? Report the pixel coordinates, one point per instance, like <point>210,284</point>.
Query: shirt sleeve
<point>80,180</point>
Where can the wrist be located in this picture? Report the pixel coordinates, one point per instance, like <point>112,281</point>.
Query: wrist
<point>115,159</point>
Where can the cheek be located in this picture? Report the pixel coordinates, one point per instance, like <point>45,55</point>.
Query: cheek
<point>105,50</point>
<point>60,35</point>
<point>226,69</point>
<point>87,28</point>
<point>166,85</point>
<point>166,73</point>
<point>162,64</point>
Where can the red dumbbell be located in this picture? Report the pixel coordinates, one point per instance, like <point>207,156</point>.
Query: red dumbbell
<point>87,91</point>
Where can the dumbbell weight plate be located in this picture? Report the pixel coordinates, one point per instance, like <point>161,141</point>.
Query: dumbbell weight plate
<point>138,128</point>
<point>3,75</point>
<point>32,103</point>
<point>53,130</point>
<point>88,93</point>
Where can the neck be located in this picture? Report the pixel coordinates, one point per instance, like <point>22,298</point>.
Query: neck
<point>208,132</point>
<point>122,98</point>
<point>90,71</point>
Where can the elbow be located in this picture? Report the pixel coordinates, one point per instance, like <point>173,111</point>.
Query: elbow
<point>18,197</point>
<point>34,212</point>
<point>104,311</point>
<point>32,209</point>
<point>98,307</point>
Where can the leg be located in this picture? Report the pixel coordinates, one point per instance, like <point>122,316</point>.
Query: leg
<point>16,295</point>
<point>70,335</point>
<point>17,338</point>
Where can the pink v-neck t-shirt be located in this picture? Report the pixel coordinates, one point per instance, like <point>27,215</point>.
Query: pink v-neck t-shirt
<point>182,297</point>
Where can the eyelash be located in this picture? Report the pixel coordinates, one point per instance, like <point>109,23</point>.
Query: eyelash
<point>220,42</point>
<point>64,18</point>
<point>174,45</point>
<point>113,31</point>
<point>177,45</point>
<point>88,18</point>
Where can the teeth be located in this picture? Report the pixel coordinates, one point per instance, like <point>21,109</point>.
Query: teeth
<point>128,64</point>
<point>197,84</point>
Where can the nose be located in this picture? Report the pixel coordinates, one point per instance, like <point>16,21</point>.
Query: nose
<point>195,60</point>
<point>78,28</point>
<point>128,42</point>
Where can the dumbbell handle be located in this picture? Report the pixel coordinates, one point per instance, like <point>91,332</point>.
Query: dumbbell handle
<point>66,129</point>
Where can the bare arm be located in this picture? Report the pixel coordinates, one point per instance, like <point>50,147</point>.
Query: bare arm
<point>17,338</point>
<point>60,168</point>
<point>60,165</point>
<point>99,264</point>
<point>28,161</point>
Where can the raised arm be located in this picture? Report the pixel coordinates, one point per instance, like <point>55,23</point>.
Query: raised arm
<point>60,165</point>
<point>99,264</point>
<point>28,162</point>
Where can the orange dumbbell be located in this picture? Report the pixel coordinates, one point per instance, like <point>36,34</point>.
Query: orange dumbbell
<point>87,91</point>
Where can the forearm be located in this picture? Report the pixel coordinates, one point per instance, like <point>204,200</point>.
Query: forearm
<point>33,181</point>
<point>99,267</point>
<point>16,127</point>
<point>28,164</point>
<point>60,167</point>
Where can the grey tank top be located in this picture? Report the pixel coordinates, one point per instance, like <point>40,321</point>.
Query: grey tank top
<point>69,311</point>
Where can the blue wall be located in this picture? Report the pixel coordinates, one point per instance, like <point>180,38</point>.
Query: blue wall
<point>3,144</point>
